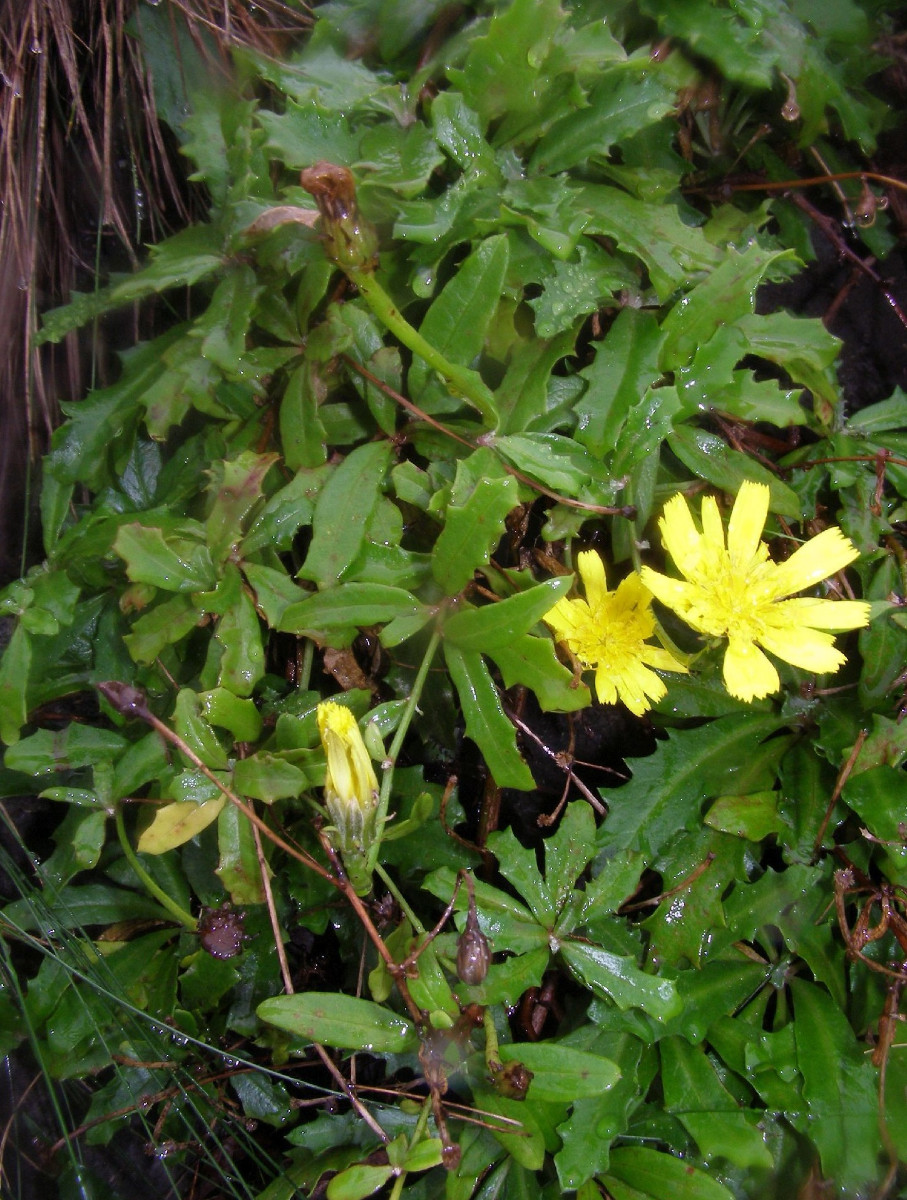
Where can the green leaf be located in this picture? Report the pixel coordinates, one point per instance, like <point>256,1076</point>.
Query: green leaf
<point>223,327</point>
<point>621,104</point>
<point>654,232</point>
<point>695,1094</point>
<point>162,626</point>
<point>727,294</point>
<point>286,512</point>
<point>877,797</point>
<point>268,777</point>
<point>734,39</point>
<point>753,816</point>
<point>486,722</point>
<point>224,708</point>
<point>242,663</point>
<point>308,133</point>
<point>167,560</point>
<point>595,1122</point>
<point>655,1176</point>
<point>458,320</point>
<point>618,978</point>
<point>532,661</point>
<point>458,131</point>
<point>888,415</point>
<point>236,487</point>
<point>522,1136</point>
<point>64,749</point>
<point>180,261</point>
<point>803,348</point>
<point>342,511</point>
<point>576,289</point>
<point>238,866</point>
<point>357,1182</point>
<point>482,628</point>
<point>79,839</point>
<point>710,457</point>
<point>839,1084</point>
<point>560,1072</point>
<point>274,591</point>
<point>302,433</point>
<point>568,852</point>
<point>472,529</point>
<point>648,423</point>
<point>668,788</point>
<point>518,865</point>
<point>522,398</point>
<point>554,460</point>
<point>75,907</point>
<point>624,368</point>
<point>346,1022</point>
<point>338,612</point>
<point>502,71</point>
<point>196,732</point>
<point>14,671</point>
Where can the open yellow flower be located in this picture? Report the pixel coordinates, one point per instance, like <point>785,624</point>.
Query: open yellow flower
<point>350,789</point>
<point>608,631</point>
<point>734,590</point>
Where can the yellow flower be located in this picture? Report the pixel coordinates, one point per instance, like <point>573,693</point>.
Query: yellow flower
<point>350,789</point>
<point>609,631</point>
<point>734,590</point>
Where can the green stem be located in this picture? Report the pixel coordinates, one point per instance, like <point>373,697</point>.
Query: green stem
<point>461,380</point>
<point>492,1054</point>
<point>397,1189</point>
<point>398,896</point>
<point>409,712</point>
<point>159,894</point>
<point>305,669</point>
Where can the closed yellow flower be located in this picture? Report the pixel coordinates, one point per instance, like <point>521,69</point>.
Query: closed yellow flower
<point>609,632</point>
<point>732,589</point>
<point>350,789</point>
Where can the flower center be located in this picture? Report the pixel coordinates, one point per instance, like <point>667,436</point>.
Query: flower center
<point>733,602</point>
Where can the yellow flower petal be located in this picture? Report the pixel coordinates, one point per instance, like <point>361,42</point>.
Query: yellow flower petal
<point>822,556</point>
<point>592,573</point>
<point>734,590</point>
<point>748,674</point>
<point>747,522</point>
<point>564,618</point>
<point>663,660</point>
<point>836,615</point>
<point>674,594</point>
<point>680,536</point>
<point>608,632</point>
<point>808,649</point>
<point>605,686</point>
<point>712,529</point>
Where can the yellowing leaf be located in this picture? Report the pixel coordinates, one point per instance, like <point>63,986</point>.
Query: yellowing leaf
<point>177,823</point>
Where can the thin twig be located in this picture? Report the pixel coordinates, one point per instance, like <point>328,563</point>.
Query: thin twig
<point>838,788</point>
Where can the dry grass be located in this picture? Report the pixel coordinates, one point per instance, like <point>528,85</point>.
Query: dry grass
<point>87,174</point>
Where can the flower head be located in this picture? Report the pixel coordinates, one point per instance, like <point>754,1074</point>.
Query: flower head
<point>350,788</point>
<point>609,631</point>
<point>734,590</point>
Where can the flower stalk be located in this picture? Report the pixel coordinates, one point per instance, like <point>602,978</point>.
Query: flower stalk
<point>351,243</point>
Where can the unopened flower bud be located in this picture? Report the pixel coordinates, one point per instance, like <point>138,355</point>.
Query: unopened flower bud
<point>473,951</point>
<point>350,789</point>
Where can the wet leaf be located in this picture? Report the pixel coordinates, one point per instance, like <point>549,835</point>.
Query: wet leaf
<point>337,1020</point>
<point>177,823</point>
